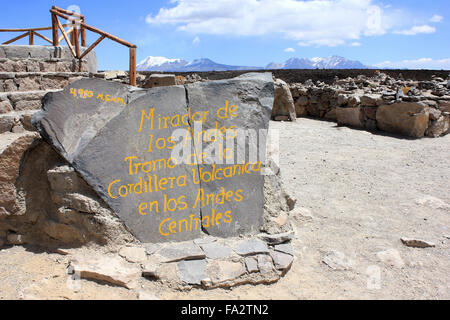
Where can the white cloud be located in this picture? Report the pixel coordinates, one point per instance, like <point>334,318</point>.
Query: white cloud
<point>436,18</point>
<point>355,44</point>
<point>289,50</point>
<point>422,63</point>
<point>310,23</point>
<point>417,30</point>
<point>196,40</point>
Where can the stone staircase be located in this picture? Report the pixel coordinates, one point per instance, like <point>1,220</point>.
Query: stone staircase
<point>27,73</point>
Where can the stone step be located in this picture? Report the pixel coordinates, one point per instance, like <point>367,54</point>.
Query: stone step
<point>40,65</point>
<point>16,122</point>
<point>22,58</point>
<point>34,81</point>
<point>22,100</point>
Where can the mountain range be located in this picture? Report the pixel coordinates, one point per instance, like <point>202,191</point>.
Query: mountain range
<point>179,65</point>
<point>163,64</point>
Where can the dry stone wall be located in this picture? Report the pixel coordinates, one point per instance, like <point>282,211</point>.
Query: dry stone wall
<point>408,108</point>
<point>29,81</point>
<point>14,58</point>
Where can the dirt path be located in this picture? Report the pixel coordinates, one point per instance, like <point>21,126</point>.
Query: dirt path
<point>364,192</point>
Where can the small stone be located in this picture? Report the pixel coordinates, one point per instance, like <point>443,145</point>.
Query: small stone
<point>354,101</point>
<point>285,248</point>
<point>371,100</point>
<point>433,202</point>
<point>207,282</point>
<point>281,220</point>
<point>252,264</point>
<point>417,243</point>
<point>342,99</point>
<point>221,271</point>
<point>216,251</point>
<point>133,254</point>
<point>5,107</point>
<point>15,239</point>
<point>181,251</point>
<point>192,271</point>
<point>337,261</point>
<point>282,118</point>
<point>391,257</point>
<point>301,214</point>
<point>277,238</point>
<point>250,247</point>
<point>112,270</point>
<point>435,113</point>
<point>205,240</point>
<point>281,260</point>
<point>151,248</point>
<point>150,270</point>
<point>144,295</point>
<point>265,264</point>
<point>160,80</point>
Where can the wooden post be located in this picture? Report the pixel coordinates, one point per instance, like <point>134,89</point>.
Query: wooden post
<point>83,34</point>
<point>31,38</point>
<point>72,34</point>
<point>77,41</point>
<point>133,66</point>
<point>55,30</point>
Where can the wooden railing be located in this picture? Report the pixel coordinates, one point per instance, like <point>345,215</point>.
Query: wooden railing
<point>72,36</point>
<point>30,33</point>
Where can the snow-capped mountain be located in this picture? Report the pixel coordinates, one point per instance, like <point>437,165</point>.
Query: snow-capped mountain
<point>333,62</point>
<point>180,65</point>
<point>161,64</point>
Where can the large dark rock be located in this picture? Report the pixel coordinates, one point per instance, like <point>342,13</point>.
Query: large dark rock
<point>253,96</point>
<point>108,143</point>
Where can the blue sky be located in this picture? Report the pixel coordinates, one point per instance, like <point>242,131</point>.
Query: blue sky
<point>400,33</point>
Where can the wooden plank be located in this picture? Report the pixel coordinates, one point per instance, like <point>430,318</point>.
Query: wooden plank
<point>65,37</point>
<point>133,66</point>
<point>17,38</point>
<point>92,47</point>
<point>43,37</point>
<point>90,28</point>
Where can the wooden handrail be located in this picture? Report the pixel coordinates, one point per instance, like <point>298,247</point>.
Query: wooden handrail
<point>93,29</point>
<point>70,13</point>
<point>76,31</point>
<point>17,38</point>
<point>42,37</point>
<point>92,46</point>
<point>31,29</point>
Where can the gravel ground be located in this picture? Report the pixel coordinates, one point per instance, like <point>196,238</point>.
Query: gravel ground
<point>364,191</point>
